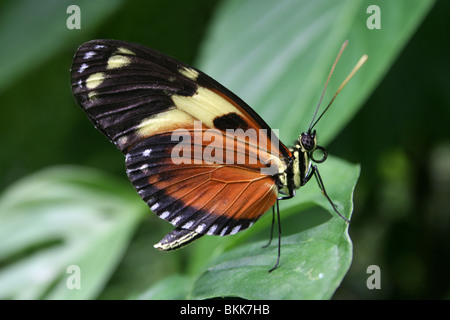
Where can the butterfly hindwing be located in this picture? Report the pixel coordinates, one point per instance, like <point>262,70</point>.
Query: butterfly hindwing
<point>213,199</point>
<point>139,98</point>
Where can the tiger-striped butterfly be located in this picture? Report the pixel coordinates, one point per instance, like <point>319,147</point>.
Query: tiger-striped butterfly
<point>197,154</point>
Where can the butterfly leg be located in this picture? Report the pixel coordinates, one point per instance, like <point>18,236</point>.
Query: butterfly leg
<point>271,228</point>
<point>279,239</point>
<point>291,195</point>
<point>315,172</point>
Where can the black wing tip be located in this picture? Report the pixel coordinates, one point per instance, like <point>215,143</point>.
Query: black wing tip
<point>176,239</point>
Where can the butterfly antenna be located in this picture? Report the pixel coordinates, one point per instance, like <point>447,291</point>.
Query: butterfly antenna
<point>344,45</point>
<point>361,61</point>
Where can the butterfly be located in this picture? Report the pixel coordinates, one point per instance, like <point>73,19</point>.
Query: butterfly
<point>196,153</point>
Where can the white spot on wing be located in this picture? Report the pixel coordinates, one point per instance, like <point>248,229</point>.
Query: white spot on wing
<point>224,230</point>
<point>83,67</point>
<point>99,46</point>
<point>212,229</point>
<point>164,215</point>
<point>175,221</point>
<point>200,228</point>
<point>89,55</point>
<point>188,224</point>
<point>154,207</point>
<point>122,141</point>
<point>147,152</point>
<point>235,229</point>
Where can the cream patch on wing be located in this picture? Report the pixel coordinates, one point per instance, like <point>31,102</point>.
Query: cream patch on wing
<point>165,122</point>
<point>118,60</point>
<point>125,51</point>
<point>189,73</point>
<point>205,105</point>
<point>94,80</point>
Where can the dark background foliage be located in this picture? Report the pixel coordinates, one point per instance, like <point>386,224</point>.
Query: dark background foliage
<point>402,139</point>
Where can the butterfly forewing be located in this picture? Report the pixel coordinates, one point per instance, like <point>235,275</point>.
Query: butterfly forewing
<point>121,84</point>
<point>149,104</point>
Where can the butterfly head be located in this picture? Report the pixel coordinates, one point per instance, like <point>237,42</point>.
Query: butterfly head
<point>308,143</point>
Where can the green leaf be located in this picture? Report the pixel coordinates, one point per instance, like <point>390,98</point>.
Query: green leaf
<point>174,287</point>
<point>62,217</point>
<point>312,268</point>
<point>313,261</point>
<point>276,55</point>
<point>22,22</point>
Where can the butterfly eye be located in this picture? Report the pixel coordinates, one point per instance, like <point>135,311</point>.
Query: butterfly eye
<point>308,141</point>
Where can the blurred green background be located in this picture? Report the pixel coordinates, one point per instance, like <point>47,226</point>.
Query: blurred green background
<point>400,137</point>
